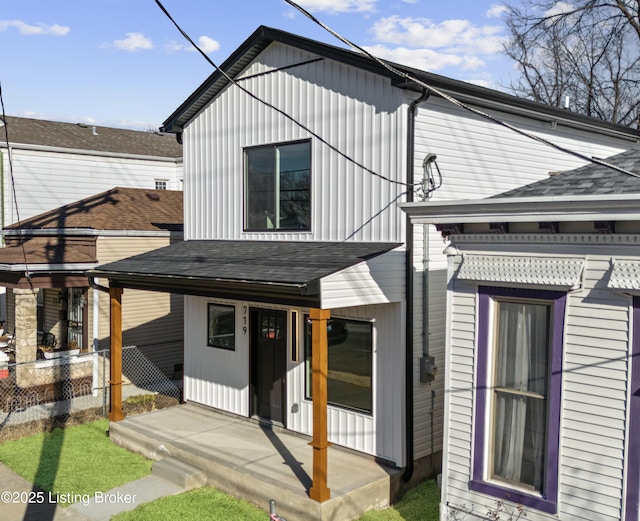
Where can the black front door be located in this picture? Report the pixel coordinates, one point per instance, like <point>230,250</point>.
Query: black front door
<point>269,363</point>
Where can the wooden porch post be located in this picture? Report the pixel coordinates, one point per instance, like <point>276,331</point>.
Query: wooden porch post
<point>115,381</point>
<point>319,491</point>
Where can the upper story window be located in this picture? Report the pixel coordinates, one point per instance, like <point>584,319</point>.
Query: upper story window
<point>278,187</point>
<point>161,184</point>
<point>518,406</point>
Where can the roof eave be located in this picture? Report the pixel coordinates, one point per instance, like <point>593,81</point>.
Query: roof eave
<point>623,207</point>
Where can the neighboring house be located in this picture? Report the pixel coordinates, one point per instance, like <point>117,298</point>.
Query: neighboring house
<point>56,163</point>
<point>543,331</point>
<point>48,164</point>
<point>281,224</point>
<point>49,300</point>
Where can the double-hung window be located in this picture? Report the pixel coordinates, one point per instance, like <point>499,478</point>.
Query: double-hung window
<point>518,395</point>
<point>278,187</point>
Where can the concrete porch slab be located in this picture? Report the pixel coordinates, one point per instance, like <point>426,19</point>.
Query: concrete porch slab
<point>257,463</point>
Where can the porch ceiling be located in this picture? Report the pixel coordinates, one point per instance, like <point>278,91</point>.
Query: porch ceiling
<point>271,271</point>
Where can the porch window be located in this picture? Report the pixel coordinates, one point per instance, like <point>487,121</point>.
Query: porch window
<point>278,187</point>
<point>518,409</point>
<point>221,326</point>
<point>350,357</point>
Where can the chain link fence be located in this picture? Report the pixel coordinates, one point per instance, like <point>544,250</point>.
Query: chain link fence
<point>67,389</point>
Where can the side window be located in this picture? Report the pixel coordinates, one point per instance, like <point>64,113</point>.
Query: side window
<point>221,326</point>
<point>161,184</point>
<point>350,344</point>
<point>278,187</point>
<point>518,402</point>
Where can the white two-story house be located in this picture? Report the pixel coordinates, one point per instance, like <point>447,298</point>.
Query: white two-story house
<point>293,173</point>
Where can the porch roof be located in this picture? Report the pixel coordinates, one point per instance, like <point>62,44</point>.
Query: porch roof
<point>288,272</point>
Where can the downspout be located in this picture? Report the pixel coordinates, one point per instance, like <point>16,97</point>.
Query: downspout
<point>409,423</point>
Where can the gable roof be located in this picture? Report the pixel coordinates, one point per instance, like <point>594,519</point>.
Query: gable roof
<point>591,179</point>
<point>463,91</point>
<point>136,209</point>
<point>80,136</point>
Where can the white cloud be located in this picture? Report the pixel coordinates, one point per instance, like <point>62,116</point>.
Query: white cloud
<point>208,45</point>
<point>425,59</point>
<point>410,1</point>
<point>133,42</point>
<point>27,29</point>
<point>205,43</point>
<point>450,37</point>
<point>559,8</point>
<point>496,11</point>
<point>338,6</point>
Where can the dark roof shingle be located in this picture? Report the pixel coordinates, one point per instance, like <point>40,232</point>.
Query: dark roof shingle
<point>591,179</point>
<point>79,136</point>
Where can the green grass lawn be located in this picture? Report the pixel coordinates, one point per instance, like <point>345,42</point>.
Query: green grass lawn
<point>205,504</point>
<point>82,460</point>
<point>77,460</point>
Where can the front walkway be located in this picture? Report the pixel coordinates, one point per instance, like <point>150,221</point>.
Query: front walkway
<point>248,460</point>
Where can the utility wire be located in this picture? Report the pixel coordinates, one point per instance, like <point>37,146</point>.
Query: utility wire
<point>278,110</point>
<point>13,184</point>
<point>454,100</point>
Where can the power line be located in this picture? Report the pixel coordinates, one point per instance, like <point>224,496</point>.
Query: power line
<point>455,101</point>
<point>278,110</point>
<point>13,184</point>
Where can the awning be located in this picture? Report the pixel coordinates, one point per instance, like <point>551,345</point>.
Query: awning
<point>287,272</point>
<point>625,275</point>
<point>558,272</point>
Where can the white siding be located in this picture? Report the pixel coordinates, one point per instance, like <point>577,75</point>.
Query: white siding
<point>380,280</point>
<point>594,389</point>
<point>220,378</point>
<point>355,111</point>
<point>477,159</point>
<point>215,377</point>
<point>46,180</point>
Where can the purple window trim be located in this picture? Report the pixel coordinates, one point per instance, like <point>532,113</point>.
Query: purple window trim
<point>633,459</point>
<point>548,503</point>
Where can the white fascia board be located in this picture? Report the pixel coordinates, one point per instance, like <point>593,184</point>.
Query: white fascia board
<point>89,232</point>
<point>625,207</point>
<point>86,152</point>
<point>38,267</point>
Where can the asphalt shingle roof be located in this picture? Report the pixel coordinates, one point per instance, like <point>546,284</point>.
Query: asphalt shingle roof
<point>116,209</point>
<point>76,136</point>
<point>591,179</point>
<point>284,262</point>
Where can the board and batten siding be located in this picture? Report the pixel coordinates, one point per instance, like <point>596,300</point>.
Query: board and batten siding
<point>357,112</point>
<point>56,178</point>
<point>220,378</point>
<point>597,346</point>
<point>151,320</point>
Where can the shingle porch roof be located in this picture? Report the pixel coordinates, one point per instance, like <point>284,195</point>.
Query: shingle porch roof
<point>289,271</point>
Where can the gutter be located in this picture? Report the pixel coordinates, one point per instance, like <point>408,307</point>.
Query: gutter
<point>409,420</point>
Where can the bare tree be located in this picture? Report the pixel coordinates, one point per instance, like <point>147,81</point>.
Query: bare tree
<point>587,53</point>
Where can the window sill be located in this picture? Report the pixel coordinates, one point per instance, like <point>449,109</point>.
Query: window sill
<point>515,496</point>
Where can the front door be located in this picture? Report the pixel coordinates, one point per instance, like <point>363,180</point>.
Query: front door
<point>269,363</point>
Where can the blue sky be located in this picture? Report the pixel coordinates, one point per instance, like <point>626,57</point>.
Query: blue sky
<point>122,63</point>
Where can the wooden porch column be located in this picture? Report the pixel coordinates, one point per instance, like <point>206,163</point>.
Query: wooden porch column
<point>319,491</point>
<point>115,329</point>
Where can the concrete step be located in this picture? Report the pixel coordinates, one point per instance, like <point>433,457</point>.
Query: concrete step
<point>177,471</point>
